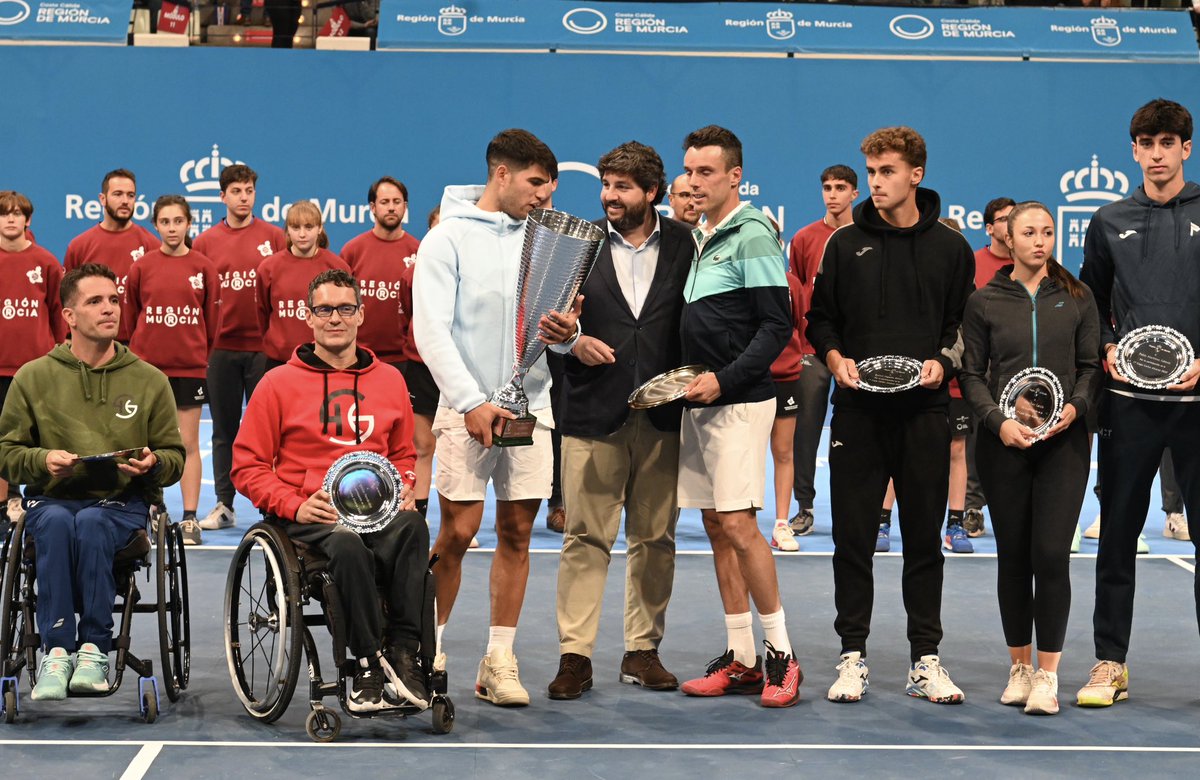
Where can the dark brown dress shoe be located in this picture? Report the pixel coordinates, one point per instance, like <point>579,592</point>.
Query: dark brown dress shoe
<point>643,667</point>
<point>574,677</point>
<point>556,521</point>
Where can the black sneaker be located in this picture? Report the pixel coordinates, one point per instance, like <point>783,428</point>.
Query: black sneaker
<point>405,678</point>
<point>366,690</point>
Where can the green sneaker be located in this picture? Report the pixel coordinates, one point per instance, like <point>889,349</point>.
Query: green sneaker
<point>91,670</point>
<point>53,674</point>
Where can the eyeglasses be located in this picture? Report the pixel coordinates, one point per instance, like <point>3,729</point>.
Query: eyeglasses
<point>684,195</point>
<point>345,310</point>
<point>999,219</point>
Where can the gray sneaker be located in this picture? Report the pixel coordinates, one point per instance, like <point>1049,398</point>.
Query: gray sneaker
<point>802,523</point>
<point>220,517</point>
<point>973,523</point>
<point>189,530</point>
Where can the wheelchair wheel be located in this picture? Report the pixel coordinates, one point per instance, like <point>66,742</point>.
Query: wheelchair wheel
<point>15,620</point>
<point>443,715</point>
<point>323,725</point>
<point>174,622</point>
<point>149,706</point>
<point>263,622</point>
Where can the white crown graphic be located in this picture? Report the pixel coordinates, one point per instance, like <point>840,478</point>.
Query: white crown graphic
<point>1091,182</point>
<point>202,178</point>
<point>779,13</point>
<point>1103,21</point>
<point>453,10</point>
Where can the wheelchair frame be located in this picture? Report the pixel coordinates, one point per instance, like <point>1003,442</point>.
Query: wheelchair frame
<point>275,630</point>
<point>20,640</point>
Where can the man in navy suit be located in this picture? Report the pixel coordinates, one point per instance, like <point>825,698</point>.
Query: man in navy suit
<point>616,459</point>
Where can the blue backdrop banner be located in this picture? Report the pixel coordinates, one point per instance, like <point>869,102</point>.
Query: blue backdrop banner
<point>324,125</point>
<point>794,28</point>
<point>89,21</point>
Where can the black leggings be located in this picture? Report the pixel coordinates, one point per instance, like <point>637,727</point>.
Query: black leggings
<point>1034,496</point>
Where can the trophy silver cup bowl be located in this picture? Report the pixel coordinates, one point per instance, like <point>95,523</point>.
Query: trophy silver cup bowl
<point>365,490</point>
<point>1034,398</point>
<point>556,258</point>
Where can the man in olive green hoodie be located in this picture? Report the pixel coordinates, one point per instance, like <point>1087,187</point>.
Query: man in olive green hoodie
<point>88,397</point>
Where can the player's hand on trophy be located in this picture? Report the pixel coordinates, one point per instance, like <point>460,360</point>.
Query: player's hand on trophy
<point>136,467</point>
<point>592,351</point>
<point>61,463</point>
<point>844,369</point>
<point>1013,434</point>
<point>484,420</point>
<point>1110,357</point>
<point>555,328</point>
<point>1188,380</point>
<point>1064,421</point>
<point>932,374</point>
<point>704,389</point>
<point>316,509</point>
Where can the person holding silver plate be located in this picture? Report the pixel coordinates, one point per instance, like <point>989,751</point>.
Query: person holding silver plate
<point>1141,257</point>
<point>1031,379</point>
<point>885,317</point>
<point>334,398</point>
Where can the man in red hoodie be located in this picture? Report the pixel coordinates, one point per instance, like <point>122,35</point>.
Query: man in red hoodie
<point>280,458</point>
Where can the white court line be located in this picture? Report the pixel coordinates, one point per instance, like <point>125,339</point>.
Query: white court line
<point>141,762</point>
<point>549,746</point>
<point>1175,559</point>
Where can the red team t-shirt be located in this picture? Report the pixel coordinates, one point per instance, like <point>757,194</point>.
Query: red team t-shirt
<point>236,255</point>
<point>786,367</point>
<point>30,311</point>
<point>804,260</point>
<point>283,282</point>
<point>119,251</point>
<point>173,301</point>
<point>987,263</point>
<point>379,267</point>
<point>411,355</point>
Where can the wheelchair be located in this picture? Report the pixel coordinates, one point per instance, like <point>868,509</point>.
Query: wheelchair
<point>20,641</point>
<point>272,579</point>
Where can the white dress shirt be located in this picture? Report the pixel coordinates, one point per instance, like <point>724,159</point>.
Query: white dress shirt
<point>635,265</point>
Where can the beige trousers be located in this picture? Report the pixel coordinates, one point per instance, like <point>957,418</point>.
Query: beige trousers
<point>634,470</point>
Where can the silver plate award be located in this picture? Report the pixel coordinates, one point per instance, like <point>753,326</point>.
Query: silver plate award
<point>1154,356</point>
<point>365,490</point>
<point>889,374</point>
<point>1034,398</point>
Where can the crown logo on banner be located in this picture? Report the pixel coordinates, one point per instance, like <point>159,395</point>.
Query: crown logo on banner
<point>1093,182</point>
<point>780,24</point>
<point>452,20</point>
<point>1105,31</point>
<point>453,10</point>
<point>202,178</point>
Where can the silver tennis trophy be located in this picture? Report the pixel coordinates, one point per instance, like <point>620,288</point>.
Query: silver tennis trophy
<point>557,256</point>
<point>1034,398</point>
<point>366,490</point>
<point>888,374</point>
<point>1154,356</point>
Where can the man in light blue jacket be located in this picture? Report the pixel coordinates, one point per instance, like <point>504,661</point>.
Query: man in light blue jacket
<point>464,300</point>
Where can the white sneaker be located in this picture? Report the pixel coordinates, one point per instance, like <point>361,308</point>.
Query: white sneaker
<point>474,542</point>
<point>1020,680</point>
<point>1043,698</point>
<point>1175,527</point>
<point>1075,540</point>
<point>782,539</point>
<point>220,517</point>
<point>851,684</point>
<point>439,662</point>
<point>1143,547</point>
<point>498,681</point>
<point>928,680</point>
<point>16,511</point>
<point>1093,530</point>
<point>189,531</point>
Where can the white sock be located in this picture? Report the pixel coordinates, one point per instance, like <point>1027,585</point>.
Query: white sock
<point>437,634</point>
<point>781,522</point>
<point>740,630</point>
<point>775,631</point>
<point>501,638</point>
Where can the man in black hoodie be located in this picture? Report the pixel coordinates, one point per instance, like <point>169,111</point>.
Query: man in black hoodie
<point>893,283</point>
<point>1141,257</point>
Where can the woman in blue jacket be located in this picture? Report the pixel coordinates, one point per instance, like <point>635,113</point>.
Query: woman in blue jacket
<point>1032,313</point>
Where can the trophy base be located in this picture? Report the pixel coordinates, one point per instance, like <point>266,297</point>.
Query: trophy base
<point>516,433</point>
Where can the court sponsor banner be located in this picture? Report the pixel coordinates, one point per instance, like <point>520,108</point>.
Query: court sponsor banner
<point>431,133</point>
<point>794,28</point>
<point>88,21</point>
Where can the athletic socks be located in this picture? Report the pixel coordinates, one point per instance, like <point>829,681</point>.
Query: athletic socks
<point>740,631</point>
<point>955,517</point>
<point>775,631</point>
<point>501,637</point>
<point>437,638</point>
<point>885,516</point>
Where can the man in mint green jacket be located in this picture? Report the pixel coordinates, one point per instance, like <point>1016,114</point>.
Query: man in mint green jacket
<point>87,397</point>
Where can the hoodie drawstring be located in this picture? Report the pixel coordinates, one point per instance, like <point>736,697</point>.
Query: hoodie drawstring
<point>84,383</point>
<point>324,414</point>
<point>357,413</point>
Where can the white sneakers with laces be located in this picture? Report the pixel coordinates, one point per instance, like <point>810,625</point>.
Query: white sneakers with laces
<point>851,684</point>
<point>1020,681</point>
<point>927,679</point>
<point>498,680</point>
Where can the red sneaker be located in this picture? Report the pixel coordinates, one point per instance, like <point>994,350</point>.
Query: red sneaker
<point>782,688</point>
<point>725,675</point>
